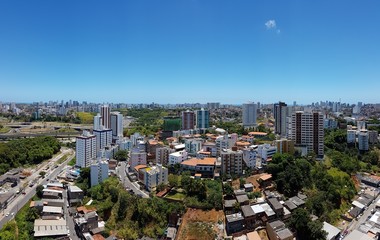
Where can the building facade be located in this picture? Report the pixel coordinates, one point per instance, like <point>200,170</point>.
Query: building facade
<point>202,119</point>
<point>116,124</point>
<point>232,162</point>
<point>249,114</point>
<point>106,116</point>
<point>280,117</point>
<point>103,138</point>
<point>85,149</point>
<point>307,130</point>
<point>98,171</point>
<point>188,120</point>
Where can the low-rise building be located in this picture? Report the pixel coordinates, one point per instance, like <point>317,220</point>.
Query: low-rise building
<point>234,223</point>
<point>277,231</point>
<point>98,171</point>
<point>276,206</point>
<point>205,166</point>
<point>177,157</point>
<point>49,228</point>
<point>153,176</point>
<point>75,194</point>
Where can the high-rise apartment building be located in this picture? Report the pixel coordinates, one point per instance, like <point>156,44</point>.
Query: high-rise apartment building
<point>249,114</point>
<point>103,138</point>
<point>280,117</point>
<point>106,116</point>
<point>162,155</point>
<point>116,124</point>
<point>188,120</point>
<point>97,122</point>
<point>85,149</point>
<point>203,119</point>
<point>363,140</point>
<point>232,162</point>
<point>307,130</point>
<point>98,171</point>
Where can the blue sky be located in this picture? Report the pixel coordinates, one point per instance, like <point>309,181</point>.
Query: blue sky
<point>177,51</point>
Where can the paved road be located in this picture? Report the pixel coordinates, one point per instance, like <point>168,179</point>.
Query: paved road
<point>20,200</point>
<point>69,220</point>
<point>355,224</point>
<point>122,171</point>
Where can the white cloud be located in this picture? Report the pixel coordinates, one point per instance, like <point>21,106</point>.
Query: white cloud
<point>270,24</point>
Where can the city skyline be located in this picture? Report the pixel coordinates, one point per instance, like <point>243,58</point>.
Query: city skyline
<point>190,51</point>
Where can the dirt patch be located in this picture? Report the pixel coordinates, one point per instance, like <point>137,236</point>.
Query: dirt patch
<point>201,225</point>
<point>263,234</point>
<point>251,179</point>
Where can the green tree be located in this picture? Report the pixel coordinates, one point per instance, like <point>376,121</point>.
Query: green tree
<point>42,174</point>
<point>242,182</point>
<point>301,222</point>
<point>39,191</point>
<point>228,190</point>
<point>173,180</point>
<point>121,155</point>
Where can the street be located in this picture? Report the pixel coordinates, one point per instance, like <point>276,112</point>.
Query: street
<point>122,174</point>
<point>69,220</point>
<point>355,224</point>
<point>20,200</point>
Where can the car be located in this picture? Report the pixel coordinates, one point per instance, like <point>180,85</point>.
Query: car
<point>23,192</point>
<point>12,213</point>
<point>7,214</point>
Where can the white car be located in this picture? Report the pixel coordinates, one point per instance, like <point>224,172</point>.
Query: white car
<point>12,213</point>
<point>7,214</point>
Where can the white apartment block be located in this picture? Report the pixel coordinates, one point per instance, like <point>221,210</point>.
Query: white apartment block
<point>266,151</point>
<point>103,138</point>
<point>225,142</point>
<point>85,149</point>
<point>177,157</point>
<point>250,157</point>
<point>193,146</point>
<point>98,171</point>
<point>154,176</point>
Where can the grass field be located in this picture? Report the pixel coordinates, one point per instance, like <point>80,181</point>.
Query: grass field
<point>174,195</point>
<point>86,117</point>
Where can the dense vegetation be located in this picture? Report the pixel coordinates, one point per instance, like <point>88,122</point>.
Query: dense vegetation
<point>148,121</point>
<point>305,227</point>
<point>130,216</point>
<point>22,226</point>
<point>17,153</point>
<point>328,189</point>
<point>205,194</point>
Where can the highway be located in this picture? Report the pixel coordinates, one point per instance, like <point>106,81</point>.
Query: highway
<point>20,200</point>
<point>122,171</point>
